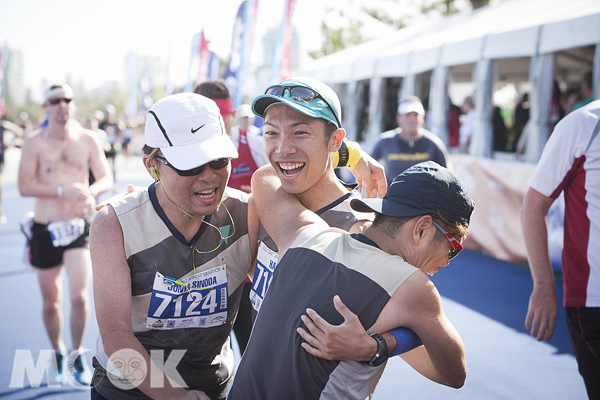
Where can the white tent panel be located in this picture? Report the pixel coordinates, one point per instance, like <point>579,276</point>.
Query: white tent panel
<point>519,43</point>
<point>394,65</point>
<point>458,53</point>
<point>342,73</point>
<point>365,68</point>
<point>577,32</point>
<point>424,60</point>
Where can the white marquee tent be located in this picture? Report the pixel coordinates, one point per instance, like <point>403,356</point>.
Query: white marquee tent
<point>535,29</point>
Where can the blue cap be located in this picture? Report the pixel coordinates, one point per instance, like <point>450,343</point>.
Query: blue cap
<point>327,108</point>
<point>424,188</point>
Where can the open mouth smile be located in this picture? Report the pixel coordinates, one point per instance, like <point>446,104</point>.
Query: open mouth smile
<point>206,194</point>
<point>291,169</point>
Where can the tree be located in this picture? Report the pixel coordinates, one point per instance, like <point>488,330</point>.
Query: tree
<point>338,39</point>
<point>335,39</point>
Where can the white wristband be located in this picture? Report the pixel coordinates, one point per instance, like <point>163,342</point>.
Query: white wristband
<point>59,191</point>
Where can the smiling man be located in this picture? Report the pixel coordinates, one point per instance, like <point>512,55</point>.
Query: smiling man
<point>170,261</point>
<point>302,132</point>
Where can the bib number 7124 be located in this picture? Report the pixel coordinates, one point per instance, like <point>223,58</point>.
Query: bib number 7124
<point>197,301</point>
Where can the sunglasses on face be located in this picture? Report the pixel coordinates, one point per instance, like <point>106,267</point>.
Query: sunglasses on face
<point>57,101</point>
<point>456,246</point>
<point>215,164</point>
<point>300,93</point>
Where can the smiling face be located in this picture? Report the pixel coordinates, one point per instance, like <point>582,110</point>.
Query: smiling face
<point>297,149</point>
<point>198,195</point>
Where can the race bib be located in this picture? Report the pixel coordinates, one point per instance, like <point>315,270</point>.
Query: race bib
<point>202,304</point>
<point>63,233</point>
<point>266,262</point>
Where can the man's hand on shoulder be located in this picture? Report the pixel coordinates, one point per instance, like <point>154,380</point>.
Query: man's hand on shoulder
<point>130,189</point>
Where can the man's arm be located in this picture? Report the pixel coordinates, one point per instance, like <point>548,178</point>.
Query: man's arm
<point>281,213</point>
<point>112,297</point>
<point>417,305</point>
<point>370,175</point>
<point>100,167</point>
<point>543,305</point>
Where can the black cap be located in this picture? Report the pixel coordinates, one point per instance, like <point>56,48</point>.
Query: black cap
<point>425,188</point>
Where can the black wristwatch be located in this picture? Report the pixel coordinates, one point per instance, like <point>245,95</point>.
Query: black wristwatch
<point>382,353</point>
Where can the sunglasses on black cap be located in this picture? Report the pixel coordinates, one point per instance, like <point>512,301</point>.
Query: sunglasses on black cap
<point>215,164</point>
<point>300,93</point>
<point>58,100</point>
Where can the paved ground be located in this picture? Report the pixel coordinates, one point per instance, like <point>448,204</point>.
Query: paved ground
<point>485,299</point>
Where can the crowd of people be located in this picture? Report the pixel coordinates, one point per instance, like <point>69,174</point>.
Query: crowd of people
<point>253,232</point>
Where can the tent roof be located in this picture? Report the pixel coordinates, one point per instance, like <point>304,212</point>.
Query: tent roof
<point>518,28</point>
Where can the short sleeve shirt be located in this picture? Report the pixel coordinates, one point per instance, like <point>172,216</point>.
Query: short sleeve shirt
<point>398,154</point>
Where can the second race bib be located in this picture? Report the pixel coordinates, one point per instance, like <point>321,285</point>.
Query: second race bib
<point>266,262</point>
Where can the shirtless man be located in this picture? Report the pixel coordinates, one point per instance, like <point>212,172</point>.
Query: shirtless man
<point>54,170</point>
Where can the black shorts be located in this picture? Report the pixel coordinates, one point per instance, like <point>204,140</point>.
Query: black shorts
<point>584,327</point>
<point>42,252</point>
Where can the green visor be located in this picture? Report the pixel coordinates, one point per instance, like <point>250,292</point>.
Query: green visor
<point>306,95</point>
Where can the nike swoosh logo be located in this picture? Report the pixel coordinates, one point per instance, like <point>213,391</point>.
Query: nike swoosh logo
<point>196,130</point>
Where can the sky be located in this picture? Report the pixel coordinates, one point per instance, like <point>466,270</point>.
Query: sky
<point>89,40</point>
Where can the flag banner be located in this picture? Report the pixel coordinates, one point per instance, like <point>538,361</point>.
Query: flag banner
<point>203,60</point>
<point>189,85</point>
<point>146,98</point>
<point>235,55</point>
<point>281,66</point>
<point>243,75</point>
<point>214,67</point>
<point>286,59</point>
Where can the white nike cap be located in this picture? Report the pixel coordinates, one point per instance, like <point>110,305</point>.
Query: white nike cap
<point>189,130</point>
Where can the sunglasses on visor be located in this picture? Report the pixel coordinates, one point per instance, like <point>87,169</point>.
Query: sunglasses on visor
<point>215,164</point>
<point>456,246</point>
<point>57,101</point>
<point>301,94</point>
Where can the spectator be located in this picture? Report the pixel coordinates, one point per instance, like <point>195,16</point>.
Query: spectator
<point>570,163</point>
<point>467,125</point>
<point>409,143</point>
<point>454,126</point>
<point>521,118</point>
<point>499,130</point>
